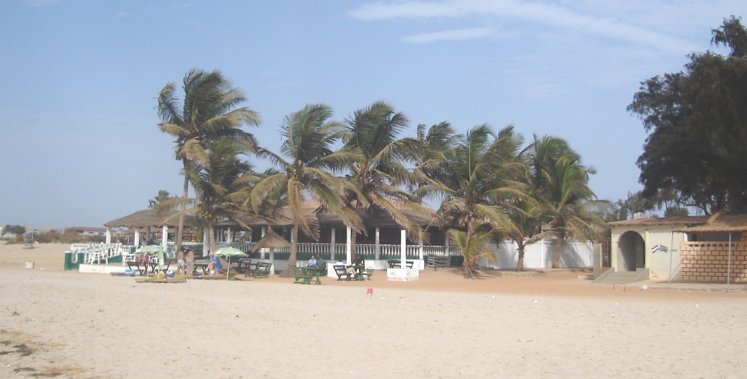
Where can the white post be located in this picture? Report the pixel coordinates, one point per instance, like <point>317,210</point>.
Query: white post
<point>108,236</point>
<point>164,237</point>
<point>403,249</point>
<point>349,246</point>
<point>377,252</point>
<point>332,245</point>
<point>229,236</point>
<point>137,238</point>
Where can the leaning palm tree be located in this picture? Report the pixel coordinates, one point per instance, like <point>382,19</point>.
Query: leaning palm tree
<point>378,173</point>
<point>306,164</point>
<point>222,185</point>
<point>210,110</point>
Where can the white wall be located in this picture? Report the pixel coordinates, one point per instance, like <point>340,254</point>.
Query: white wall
<point>539,255</point>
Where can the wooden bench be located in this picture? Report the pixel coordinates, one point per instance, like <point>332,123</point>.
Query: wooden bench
<point>306,275</point>
<point>438,261</point>
<point>262,270</point>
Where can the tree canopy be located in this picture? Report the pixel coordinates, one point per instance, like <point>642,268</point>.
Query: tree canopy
<point>697,120</point>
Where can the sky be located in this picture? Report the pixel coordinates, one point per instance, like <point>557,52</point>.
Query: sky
<point>79,137</point>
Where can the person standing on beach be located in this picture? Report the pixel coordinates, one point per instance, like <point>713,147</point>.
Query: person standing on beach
<point>190,260</point>
<point>181,265</point>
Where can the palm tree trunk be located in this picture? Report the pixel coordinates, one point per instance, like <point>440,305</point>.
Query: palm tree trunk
<point>212,245</point>
<point>288,271</point>
<point>185,193</point>
<point>353,237</point>
<point>520,262</point>
<point>556,252</point>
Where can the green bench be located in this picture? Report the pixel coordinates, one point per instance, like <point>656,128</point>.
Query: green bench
<point>306,275</point>
<point>262,270</point>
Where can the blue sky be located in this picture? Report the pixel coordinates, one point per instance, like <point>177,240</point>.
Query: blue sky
<point>79,80</point>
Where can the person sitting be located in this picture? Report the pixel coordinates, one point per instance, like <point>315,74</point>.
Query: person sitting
<point>313,262</point>
<point>215,266</point>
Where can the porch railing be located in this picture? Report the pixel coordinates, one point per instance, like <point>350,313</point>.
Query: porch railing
<point>368,250</point>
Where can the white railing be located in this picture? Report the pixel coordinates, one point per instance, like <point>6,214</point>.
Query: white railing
<point>98,252</point>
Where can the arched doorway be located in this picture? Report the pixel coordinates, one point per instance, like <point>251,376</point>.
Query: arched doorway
<point>632,251</point>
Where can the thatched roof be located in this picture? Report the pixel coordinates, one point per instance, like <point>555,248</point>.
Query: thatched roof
<point>719,223</point>
<point>284,217</point>
<point>271,240</point>
<point>149,217</point>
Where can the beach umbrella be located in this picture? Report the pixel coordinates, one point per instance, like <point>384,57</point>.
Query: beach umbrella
<point>229,252</point>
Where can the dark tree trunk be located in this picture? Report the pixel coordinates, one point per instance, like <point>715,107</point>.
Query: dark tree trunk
<point>185,193</point>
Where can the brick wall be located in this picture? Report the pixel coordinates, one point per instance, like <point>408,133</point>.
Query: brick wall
<point>708,261</point>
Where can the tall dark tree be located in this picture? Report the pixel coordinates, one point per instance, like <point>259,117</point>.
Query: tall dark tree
<point>697,124</point>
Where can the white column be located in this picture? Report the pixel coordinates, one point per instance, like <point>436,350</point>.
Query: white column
<point>137,238</point>
<point>420,247</point>
<point>349,247</point>
<point>447,242</point>
<point>377,252</point>
<point>108,236</point>
<point>332,244</point>
<point>205,241</point>
<point>164,237</point>
<point>403,248</point>
<point>262,250</point>
<point>229,235</point>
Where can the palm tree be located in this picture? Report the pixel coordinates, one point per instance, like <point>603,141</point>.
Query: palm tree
<point>561,183</point>
<point>472,245</point>
<point>378,172</point>
<point>432,147</point>
<point>307,145</point>
<point>210,110</point>
<point>480,173</point>
<point>524,227</point>
<point>222,185</point>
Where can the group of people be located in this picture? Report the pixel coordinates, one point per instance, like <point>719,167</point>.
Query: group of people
<point>185,262</point>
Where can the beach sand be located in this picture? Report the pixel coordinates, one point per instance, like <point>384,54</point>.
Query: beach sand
<point>551,325</point>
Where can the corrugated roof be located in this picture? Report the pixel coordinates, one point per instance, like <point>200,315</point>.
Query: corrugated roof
<point>721,223</point>
<point>673,220</point>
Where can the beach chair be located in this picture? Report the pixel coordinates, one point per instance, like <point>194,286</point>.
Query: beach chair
<point>342,272</point>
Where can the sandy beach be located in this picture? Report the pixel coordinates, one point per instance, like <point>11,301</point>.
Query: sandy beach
<point>551,325</point>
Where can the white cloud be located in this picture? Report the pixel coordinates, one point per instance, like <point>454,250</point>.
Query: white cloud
<point>546,14</point>
<point>450,35</point>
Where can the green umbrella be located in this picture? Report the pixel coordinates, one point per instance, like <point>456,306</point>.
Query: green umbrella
<point>229,252</point>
